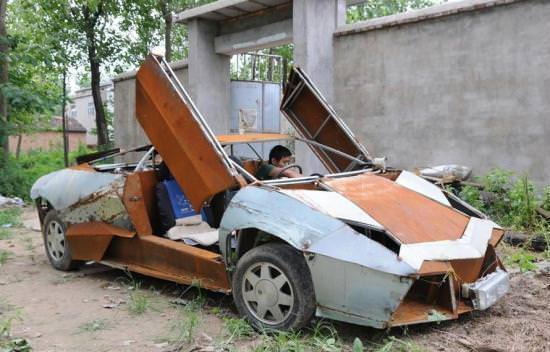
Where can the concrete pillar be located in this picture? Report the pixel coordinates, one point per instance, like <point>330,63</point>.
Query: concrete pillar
<point>209,76</point>
<point>313,26</point>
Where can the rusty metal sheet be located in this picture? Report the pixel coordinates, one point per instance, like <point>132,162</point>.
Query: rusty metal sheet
<point>88,241</point>
<point>414,312</point>
<point>134,198</point>
<point>311,115</point>
<point>180,134</point>
<point>170,260</point>
<point>496,236</point>
<point>407,215</point>
<point>433,267</point>
<point>226,139</point>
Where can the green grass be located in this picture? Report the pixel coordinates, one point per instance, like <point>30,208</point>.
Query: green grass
<point>139,303</point>
<point>5,234</point>
<point>4,256</point>
<point>183,330</point>
<point>237,329</point>
<point>10,216</point>
<point>393,344</point>
<point>522,259</point>
<point>94,325</point>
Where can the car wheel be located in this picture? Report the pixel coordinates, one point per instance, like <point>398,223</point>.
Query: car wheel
<point>272,288</point>
<point>57,246</point>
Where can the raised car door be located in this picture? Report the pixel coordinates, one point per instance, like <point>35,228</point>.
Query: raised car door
<point>180,134</point>
<point>317,122</point>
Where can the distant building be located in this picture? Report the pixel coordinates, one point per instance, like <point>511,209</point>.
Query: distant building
<point>82,108</point>
<point>50,136</point>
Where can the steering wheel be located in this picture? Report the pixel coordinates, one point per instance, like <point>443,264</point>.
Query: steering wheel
<point>288,167</point>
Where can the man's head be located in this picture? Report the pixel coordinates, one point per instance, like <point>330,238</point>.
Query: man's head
<point>280,156</point>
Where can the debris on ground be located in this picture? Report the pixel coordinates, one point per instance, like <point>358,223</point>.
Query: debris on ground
<point>7,201</point>
<point>535,242</point>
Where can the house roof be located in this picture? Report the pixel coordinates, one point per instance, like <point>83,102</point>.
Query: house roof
<point>73,125</point>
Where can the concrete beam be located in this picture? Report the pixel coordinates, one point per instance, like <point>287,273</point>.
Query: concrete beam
<point>269,35</point>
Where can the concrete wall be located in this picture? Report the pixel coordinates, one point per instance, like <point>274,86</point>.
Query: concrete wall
<point>471,88</point>
<point>128,132</point>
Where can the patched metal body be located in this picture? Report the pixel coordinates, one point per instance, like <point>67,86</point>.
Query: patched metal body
<point>384,247</point>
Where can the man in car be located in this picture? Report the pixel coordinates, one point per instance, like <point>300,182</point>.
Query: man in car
<point>279,157</point>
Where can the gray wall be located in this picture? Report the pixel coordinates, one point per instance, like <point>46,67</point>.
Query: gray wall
<point>128,132</point>
<point>471,88</point>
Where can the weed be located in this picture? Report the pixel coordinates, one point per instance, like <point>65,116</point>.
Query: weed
<point>7,343</point>
<point>282,341</point>
<point>5,234</point>
<point>358,345</point>
<point>237,329</point>
<point>10,217</point>
<point>183,329</point>
<point>27,243</point>
<point>94,325</point>
<point>472,196</point>
<point>522,259</point>
<point>4,256</point>
<point>545,203</point>
<point>324,337</point>
<point>397,345</point>
<point>139,303</point>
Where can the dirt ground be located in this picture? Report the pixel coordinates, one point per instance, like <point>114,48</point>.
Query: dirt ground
<point>90,310</point>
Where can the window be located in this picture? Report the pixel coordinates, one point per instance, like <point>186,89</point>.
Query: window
<point>91,110</point>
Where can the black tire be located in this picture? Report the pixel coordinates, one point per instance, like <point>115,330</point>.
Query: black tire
<point>298,289</point>
<point>60,257</point>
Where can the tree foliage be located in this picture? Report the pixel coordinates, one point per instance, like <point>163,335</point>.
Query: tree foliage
<point>379,8</point>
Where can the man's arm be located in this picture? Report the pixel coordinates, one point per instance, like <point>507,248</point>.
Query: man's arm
<point>287,173</point>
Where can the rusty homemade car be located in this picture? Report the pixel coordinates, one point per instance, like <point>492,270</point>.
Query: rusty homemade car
<point>362,244</point>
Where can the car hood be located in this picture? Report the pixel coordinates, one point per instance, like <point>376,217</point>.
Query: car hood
<point>66,187</point>
<point>410,210</point>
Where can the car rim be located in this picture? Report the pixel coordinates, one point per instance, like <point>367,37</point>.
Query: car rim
<point>267,293</point>
<point>55,238</point>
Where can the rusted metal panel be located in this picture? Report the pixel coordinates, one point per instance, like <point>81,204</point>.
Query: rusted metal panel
<point>311,115</point>
<point>226,139</point>
<point>432,267</point>
<point>415,312</point>
<point>171,260</point>
<point>67,187</point>
<point>88,241</point>
<point>103,205</point>
<point>135,197</point>
<point>180,135</point>
<point>467,270</point>
<point>496,236</point>
<point>407,215</point>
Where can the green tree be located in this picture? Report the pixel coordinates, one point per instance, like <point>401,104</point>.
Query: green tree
<point>152,21</point>
<point>4,47</point>
<point>380,8</point>
<point>96,31</point>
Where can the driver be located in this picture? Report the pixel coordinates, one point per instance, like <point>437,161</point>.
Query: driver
<point>279,157</point>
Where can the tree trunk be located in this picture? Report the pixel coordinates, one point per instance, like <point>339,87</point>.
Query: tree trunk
<point>19,142</point>
<point>64,120</point>
<point>101,122</point>
<point>4,49</point>
<point>167,15</point>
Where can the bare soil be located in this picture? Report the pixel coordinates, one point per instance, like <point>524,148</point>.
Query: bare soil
<point>89,310</point>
